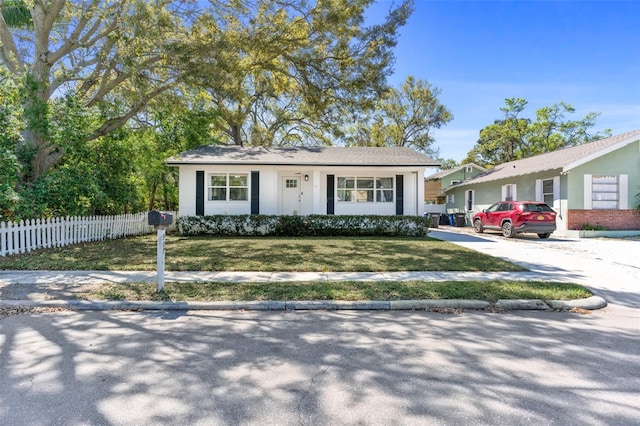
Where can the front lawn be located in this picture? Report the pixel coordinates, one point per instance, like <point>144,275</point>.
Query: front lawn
<point>322,254</point>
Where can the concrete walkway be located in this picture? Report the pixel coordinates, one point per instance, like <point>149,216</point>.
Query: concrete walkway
<point>57,288</point>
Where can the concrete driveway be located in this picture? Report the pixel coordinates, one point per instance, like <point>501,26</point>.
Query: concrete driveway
<point>610,267</point>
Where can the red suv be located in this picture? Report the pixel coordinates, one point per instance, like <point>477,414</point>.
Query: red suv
<point>514,217</point>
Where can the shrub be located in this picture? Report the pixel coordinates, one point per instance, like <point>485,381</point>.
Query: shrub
<point>304,226</point>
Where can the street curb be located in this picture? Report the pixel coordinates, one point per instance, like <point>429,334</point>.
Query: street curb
<point>522,305</point>
<point>591,303</point>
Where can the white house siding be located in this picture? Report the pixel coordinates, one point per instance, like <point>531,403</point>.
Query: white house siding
<point>314,191</point>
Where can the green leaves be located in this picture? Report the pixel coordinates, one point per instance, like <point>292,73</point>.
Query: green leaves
<point>514,137</point>
<point>404,117</point>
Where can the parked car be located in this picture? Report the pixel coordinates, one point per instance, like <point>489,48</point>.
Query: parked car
<point>514,217</point>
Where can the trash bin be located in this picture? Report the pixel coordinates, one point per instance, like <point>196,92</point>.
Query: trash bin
<point>461,219</point>
<point>435,218</point>
<point>452,219</point>
<point>444,219</point>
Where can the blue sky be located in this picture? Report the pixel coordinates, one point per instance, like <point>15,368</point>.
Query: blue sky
<point>584,53</point>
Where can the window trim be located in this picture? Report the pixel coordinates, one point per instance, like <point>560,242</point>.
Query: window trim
<point>623,191</point>
<point>514,192</point>
<point>356,198</point>
<point>227,186</point>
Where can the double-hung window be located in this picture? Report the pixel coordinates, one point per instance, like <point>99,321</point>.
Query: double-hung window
<point>605,192</point>
<point>228,187</point>
<point>547,191</point>
<point>509,192</point>
<point>365,189</point>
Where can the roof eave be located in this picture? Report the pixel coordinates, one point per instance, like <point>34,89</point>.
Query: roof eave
<point>251,163</point>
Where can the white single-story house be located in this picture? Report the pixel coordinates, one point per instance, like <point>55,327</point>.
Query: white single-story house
<point>595,185</point>
<point>234,180</point>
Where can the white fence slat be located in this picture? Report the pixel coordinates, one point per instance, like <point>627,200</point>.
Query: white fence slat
<point>3,239</point>
<point>33,234</point>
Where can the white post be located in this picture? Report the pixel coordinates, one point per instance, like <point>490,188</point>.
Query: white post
<point>161,236</point>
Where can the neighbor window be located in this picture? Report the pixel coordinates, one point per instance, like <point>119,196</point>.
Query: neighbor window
<point>547,191</point>
<point>509,192</point>
<point>228,187</point>
<point>605,192</point>
<point>470,195</point>
<point>365,189</point>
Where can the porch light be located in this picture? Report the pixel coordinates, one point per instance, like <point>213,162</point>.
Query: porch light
<point>306,178</point>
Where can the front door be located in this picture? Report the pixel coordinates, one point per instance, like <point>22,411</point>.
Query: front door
<point>291,195</point>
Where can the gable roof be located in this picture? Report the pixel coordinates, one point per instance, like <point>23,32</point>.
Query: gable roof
<point>303,155</point>
<point>564,159</point>
<point>443,173</point>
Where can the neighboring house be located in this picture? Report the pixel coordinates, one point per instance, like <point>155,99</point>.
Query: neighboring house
<point>435,184</point>
<point>590,185</point>
<point>235,180</point>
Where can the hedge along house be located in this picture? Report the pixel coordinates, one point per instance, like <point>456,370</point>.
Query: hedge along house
<point>593,185</point>
<point>234,180</point>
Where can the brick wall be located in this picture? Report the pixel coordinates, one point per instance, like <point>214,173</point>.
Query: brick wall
<point>615,220</point>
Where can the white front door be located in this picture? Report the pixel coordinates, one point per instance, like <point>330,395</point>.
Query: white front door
<point>291,195</point>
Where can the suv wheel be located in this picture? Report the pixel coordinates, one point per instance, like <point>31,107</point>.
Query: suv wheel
<point>545,235</point>
<point>507,229</point>
<point>477,226</point>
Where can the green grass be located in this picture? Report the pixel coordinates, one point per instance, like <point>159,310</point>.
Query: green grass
<point>489,291</point>
<point>263,254</point>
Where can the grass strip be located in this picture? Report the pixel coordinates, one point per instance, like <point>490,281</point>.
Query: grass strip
<point>489,291</point>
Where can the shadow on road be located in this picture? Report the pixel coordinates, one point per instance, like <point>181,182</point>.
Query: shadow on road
<point>317,368</point>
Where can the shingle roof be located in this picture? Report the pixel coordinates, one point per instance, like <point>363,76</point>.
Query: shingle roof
<point>564,159</point>
<point>443,173</point>
<point>299,155</point>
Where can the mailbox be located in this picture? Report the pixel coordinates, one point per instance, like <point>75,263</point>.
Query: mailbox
<point>160,219</point>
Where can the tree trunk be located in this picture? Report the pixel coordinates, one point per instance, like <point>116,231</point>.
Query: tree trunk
<point>152,196</point>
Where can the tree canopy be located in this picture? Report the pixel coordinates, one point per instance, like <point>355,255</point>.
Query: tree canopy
<point>87,84</point>
<point>514,137</point>
<point>404,117</point>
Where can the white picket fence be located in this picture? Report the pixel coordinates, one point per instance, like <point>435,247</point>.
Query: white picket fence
<point>33,234</point>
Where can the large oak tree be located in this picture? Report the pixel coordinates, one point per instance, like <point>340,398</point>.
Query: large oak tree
<point>109,54</point>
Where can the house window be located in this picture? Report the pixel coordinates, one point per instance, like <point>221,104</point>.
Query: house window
<point>451,199</point>
<point>605,192</point>
<point>455,182</point>
<point>468,169</point>
<point>228,187</point>
<point>365,189</point>
<point>547,191</point>
<point>469,199</point>
<point>509,192</point>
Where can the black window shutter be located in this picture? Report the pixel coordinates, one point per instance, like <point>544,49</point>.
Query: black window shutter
<point>255,192</point>
<point>399,195</point>
<point>331,202</point>
<point>199,193</point>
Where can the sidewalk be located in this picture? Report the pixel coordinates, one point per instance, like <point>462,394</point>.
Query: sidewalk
<point>57,288</point>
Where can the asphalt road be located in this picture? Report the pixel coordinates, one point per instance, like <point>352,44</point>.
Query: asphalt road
<point>347,367</point>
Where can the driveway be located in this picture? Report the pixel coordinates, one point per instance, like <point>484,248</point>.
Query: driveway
<point>610,267</point>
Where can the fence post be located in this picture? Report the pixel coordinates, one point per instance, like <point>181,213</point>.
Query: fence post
<point>3,239</point>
